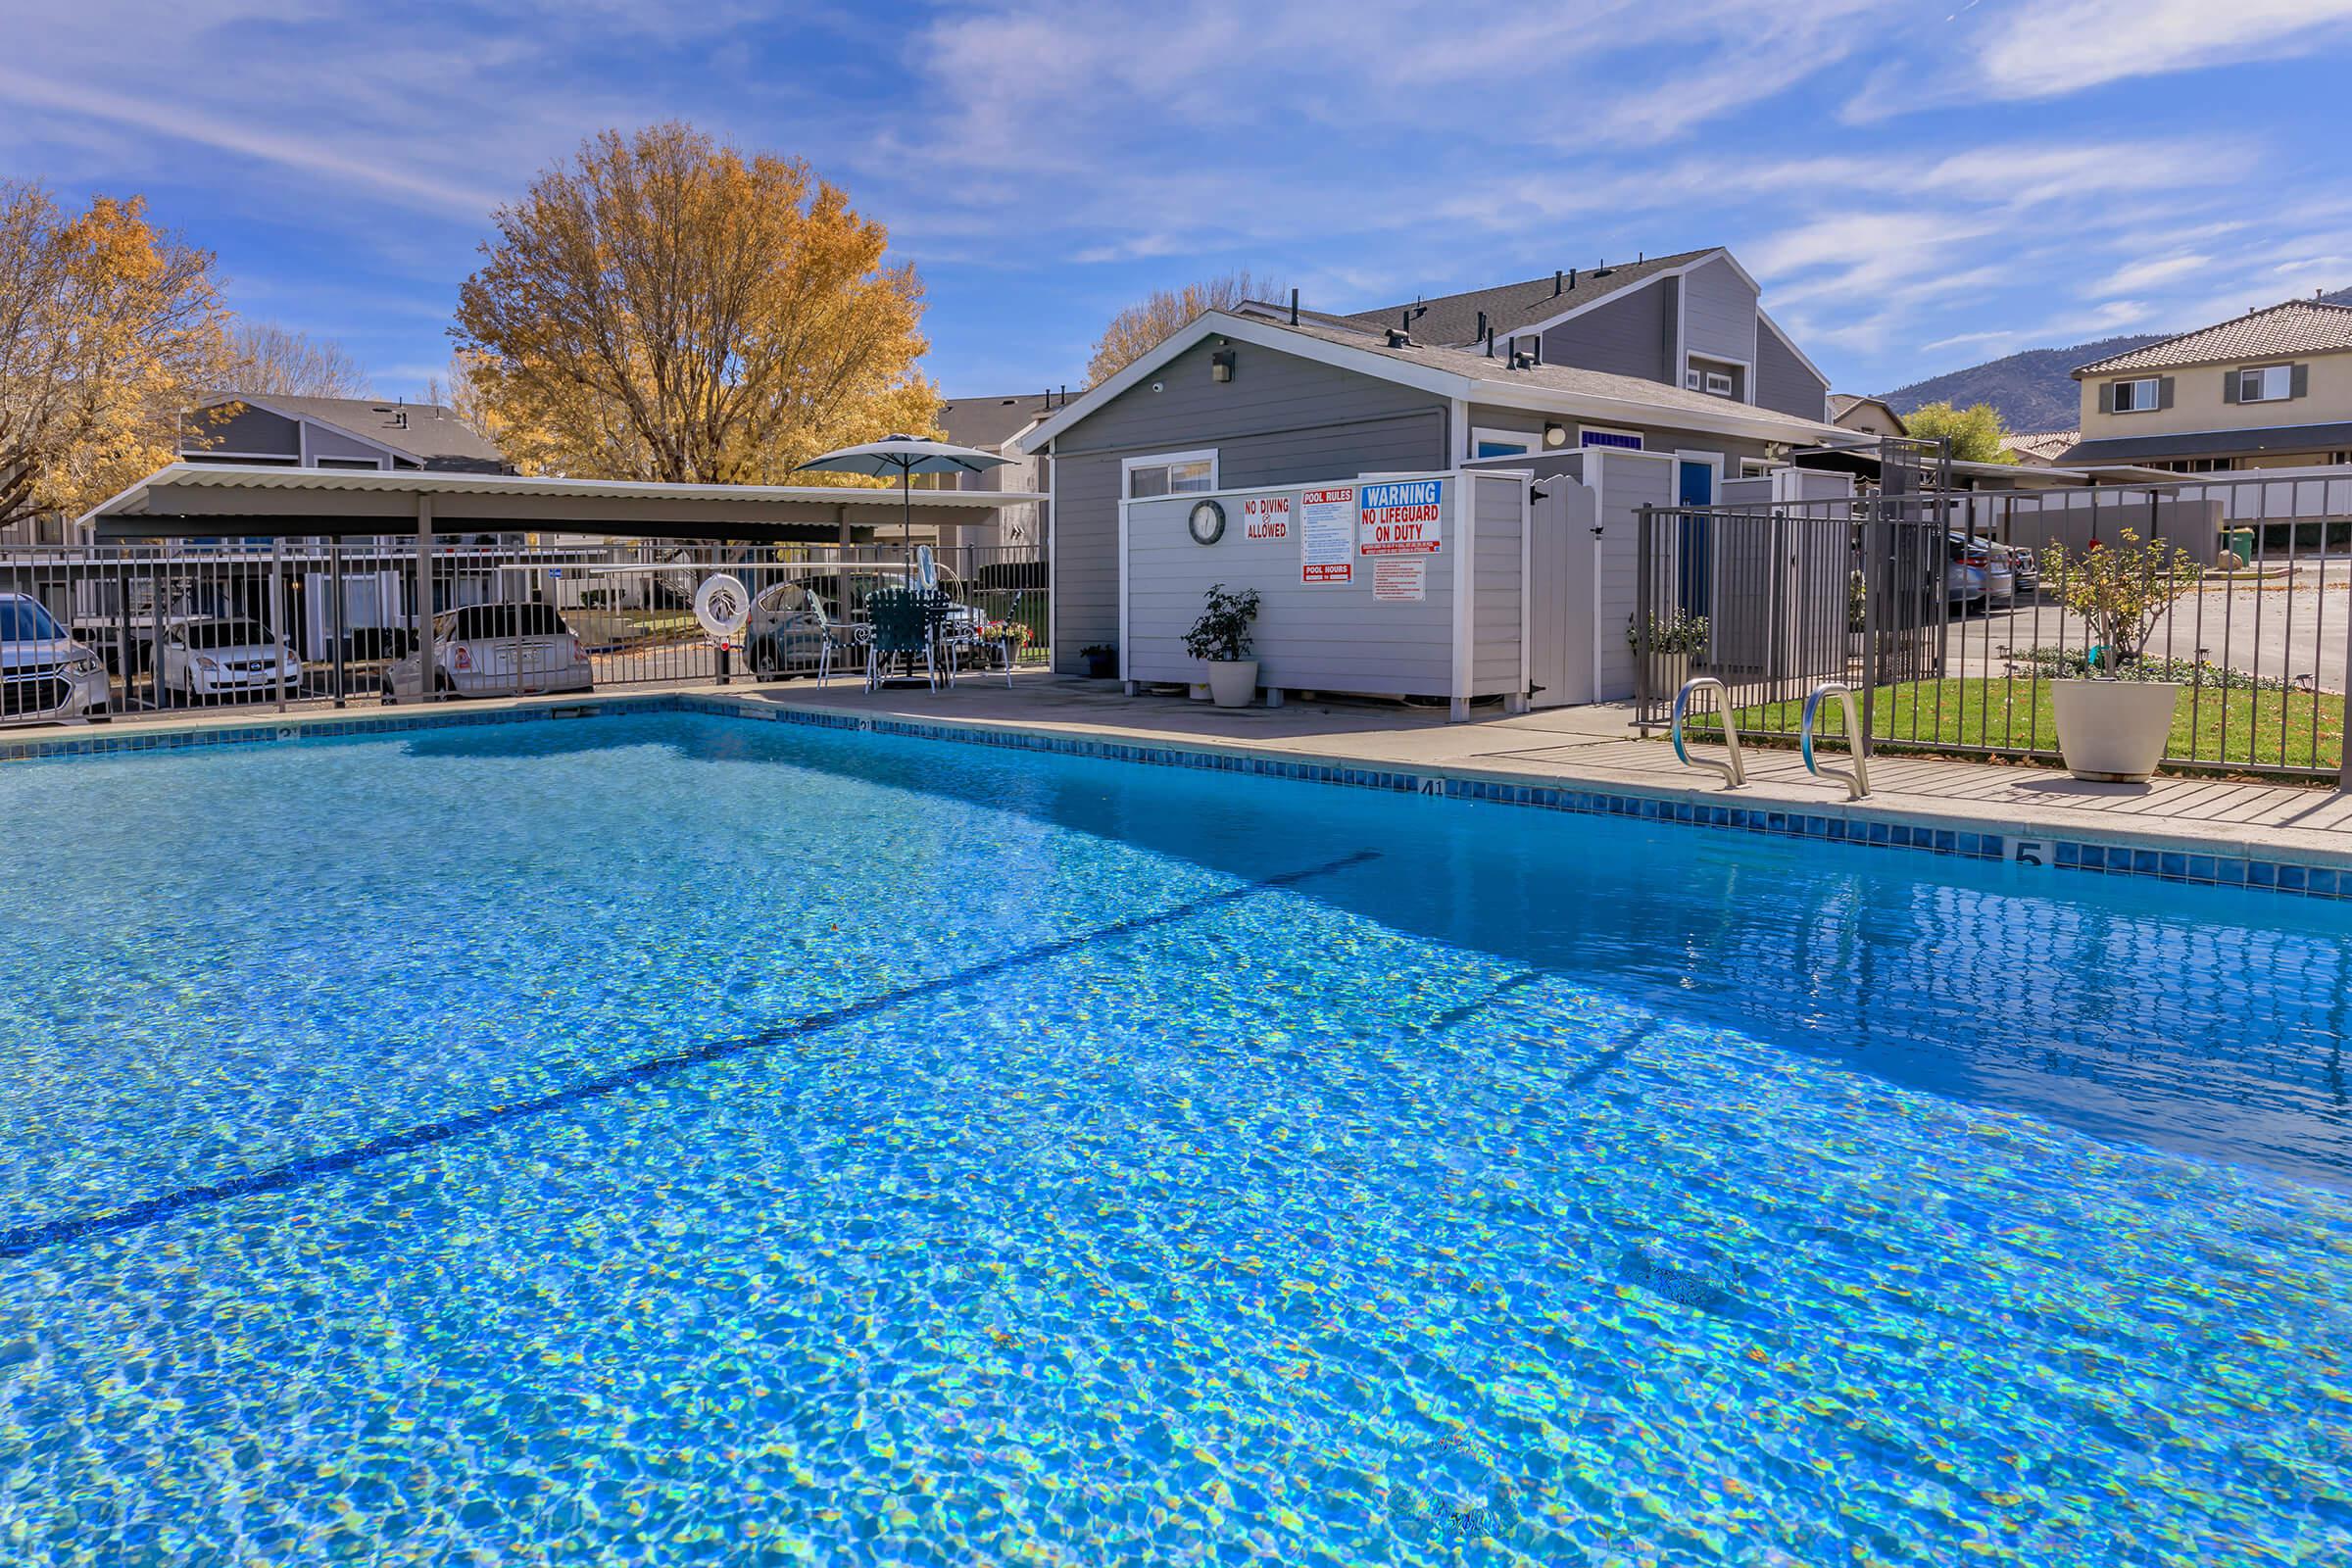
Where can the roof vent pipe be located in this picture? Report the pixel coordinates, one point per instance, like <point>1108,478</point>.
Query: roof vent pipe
<point>1559,281</point>
<point>1482,324</point>
<point>1293,307</point>
<point>1572,278</point>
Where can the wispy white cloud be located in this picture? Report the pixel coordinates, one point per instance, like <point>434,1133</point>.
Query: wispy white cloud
<point>2063,46</point>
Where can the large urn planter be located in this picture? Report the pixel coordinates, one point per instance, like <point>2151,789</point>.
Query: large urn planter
<point>1233,682</point>
<point>2113,730</point>
<point>1667,675</point>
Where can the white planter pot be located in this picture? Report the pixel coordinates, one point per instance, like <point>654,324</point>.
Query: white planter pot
<point>1233,682</point>
<point>1667,674</point>
<point>2113,730</point>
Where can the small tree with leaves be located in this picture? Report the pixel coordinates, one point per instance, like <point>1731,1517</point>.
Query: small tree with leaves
<point>2121,590</point>
<point>1976,431</point>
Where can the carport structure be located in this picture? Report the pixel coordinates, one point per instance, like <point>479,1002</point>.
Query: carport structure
<point>252,512</point>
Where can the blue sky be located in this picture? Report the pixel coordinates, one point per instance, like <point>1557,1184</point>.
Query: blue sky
<point>1918,186</point>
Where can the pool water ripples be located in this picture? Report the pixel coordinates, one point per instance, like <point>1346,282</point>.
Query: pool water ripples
<point>1495,1189</point>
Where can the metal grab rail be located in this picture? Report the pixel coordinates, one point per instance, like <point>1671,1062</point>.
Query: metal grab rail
<point>1856,779</point>
<point>1735,772</point>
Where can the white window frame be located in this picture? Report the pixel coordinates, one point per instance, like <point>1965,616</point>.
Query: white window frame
<point>2155,386</point>
<point>1607,429</point>
<point>1526,444</point>
<point>1165,459</point>
<point>2263,372</point>
<point>1758,467</point>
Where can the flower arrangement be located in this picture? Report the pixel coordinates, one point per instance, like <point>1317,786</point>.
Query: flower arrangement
<point>2121,589</point>
<point>1014,632</point>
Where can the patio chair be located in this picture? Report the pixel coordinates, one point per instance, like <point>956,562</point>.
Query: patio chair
<point>903,624</point>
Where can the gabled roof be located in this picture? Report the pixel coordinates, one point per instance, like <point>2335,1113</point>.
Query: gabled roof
<point>432,435</point>
<point>2041,446</point>
<point>1454,318</point>
<point>989,422</point>
<point>1460,374</point>
<point>2296,327</point>
<point>1842,404</point>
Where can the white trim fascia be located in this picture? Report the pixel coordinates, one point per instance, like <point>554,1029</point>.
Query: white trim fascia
<point>1465,590</point>
<point>1124,582</point>
<point>1593,473</point>
<point>1154,460</point>
<point>1052,530</point>
<point>1747,367</point>
<point>1247,330</point>
<point>1548,322</point>
<point>1805,358</point>
<point>1527,556</point>
<point>1529,445</point>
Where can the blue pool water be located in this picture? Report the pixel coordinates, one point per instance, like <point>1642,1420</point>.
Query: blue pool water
<point>677,1140</point>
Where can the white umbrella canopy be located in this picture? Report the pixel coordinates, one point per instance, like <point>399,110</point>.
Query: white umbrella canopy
<point>906,455</point>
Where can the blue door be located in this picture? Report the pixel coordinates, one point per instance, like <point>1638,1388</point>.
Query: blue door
<point>1695,486</point>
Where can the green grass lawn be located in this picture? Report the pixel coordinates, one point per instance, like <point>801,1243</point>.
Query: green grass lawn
<point>2015,715</point>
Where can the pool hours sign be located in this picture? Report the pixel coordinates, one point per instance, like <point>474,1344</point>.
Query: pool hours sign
<point>1401,518</point>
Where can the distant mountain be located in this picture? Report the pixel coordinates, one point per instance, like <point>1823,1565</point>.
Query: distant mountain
<point>2032,390</point>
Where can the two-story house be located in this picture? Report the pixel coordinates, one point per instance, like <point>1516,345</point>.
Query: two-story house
<point>251,429</point>
<point>1672,358</point>
<point>2269,389</point>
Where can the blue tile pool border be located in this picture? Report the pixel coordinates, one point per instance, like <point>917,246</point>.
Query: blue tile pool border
<point>2205,862</point>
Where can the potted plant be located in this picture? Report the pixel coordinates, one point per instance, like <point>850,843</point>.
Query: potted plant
<point>1102,661</point>
<point>1667,644</point>
<point>2113,722</point>
<point>1220,639</point>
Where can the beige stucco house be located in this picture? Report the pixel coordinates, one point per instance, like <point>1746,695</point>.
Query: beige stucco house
<point>2269,389</point>
<point>1871,416</point>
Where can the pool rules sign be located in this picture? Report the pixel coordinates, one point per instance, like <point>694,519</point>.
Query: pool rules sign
<point>1327,536</point>
<point>1399,528</point>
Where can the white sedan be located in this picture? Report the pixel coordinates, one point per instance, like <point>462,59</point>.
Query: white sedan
<point>507,650</point>
<point>207,660</point>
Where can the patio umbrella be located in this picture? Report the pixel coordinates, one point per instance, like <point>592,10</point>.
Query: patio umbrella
<point>906,455</point>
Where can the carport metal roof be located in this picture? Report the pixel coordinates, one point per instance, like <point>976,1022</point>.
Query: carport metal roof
<point>195,499</point>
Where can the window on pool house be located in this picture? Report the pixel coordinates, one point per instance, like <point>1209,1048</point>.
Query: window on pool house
<point>1171,473</point>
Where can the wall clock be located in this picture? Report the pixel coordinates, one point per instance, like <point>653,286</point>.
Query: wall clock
<point>1207,521</point>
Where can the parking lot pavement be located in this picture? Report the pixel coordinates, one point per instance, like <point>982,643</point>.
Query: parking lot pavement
<point>2291,624</point>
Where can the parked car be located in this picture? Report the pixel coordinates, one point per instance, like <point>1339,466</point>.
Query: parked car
<point>497,651</point>
<point>44,673</point>
<point>205,659</point>
<point>2024,568</point>
<point>1963,577</point>
<point>790,620</point>
<point>1994,560</point>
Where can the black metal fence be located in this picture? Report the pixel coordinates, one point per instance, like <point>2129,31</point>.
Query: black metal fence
<point>1949,614</point>
<point>290,623</point>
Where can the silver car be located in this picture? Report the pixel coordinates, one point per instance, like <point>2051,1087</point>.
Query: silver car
<point>45,674</point>
<point>205,659</point>
<point>496,650</point>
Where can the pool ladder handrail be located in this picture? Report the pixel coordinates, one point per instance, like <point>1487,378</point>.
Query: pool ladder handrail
<point>1734,771</point>
<point>1856,778</point>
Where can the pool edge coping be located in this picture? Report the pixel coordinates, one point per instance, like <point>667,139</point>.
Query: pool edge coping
<point>2164,856</point>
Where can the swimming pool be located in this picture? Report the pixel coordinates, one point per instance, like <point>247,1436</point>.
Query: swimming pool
<point>673,1138</point>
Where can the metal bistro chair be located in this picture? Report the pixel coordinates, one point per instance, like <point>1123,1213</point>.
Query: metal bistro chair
<point>904,623</point>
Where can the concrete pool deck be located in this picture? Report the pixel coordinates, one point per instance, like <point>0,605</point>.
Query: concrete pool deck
<point>1592,749</point>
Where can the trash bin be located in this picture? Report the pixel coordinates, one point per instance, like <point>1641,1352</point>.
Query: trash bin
<point>2241,545</point>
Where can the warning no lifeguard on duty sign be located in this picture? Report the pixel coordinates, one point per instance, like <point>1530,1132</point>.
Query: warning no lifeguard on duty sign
<point>1401,518</point>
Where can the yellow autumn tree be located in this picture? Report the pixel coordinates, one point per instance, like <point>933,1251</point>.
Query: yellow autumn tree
<point>659,307</point>
<point>108,330</point>
<point>1145,325</point>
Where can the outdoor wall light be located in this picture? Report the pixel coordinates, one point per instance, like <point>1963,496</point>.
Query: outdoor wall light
<point>1220,366</point>
<point>1555,435</point>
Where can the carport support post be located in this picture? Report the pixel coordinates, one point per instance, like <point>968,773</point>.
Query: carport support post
<point>425,599</point>
<point>334,567</point>
<point>2343,772</point>
<point>277,610</point>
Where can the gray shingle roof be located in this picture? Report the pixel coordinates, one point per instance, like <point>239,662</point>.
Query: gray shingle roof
<point>2298,327</point>
<point>1454,318</point>
<point>2213,444</point>
<point>1474,363</point>
<point>435,436</point>
<point>989,422</point>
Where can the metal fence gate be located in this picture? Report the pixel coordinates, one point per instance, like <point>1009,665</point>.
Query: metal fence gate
<point>303,624</point>
<point>1949,612</point>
